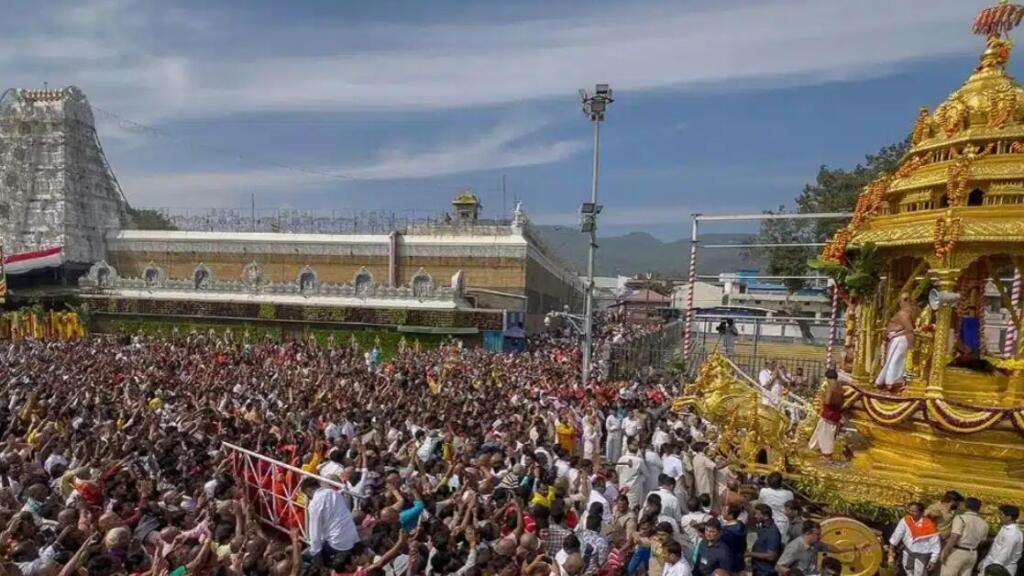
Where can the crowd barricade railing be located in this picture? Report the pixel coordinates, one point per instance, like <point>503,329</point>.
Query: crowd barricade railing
<point>272,488</point>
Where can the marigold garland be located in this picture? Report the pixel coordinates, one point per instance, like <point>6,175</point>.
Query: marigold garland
<point>940,414</point>
<point>946,235</point>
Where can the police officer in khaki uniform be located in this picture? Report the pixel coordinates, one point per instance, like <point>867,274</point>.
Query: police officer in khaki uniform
<point>943,512</point>
<point>968,531</point>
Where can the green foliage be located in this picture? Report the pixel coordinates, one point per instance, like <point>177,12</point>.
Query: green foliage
<point>861,277</point>
<point>784,261</point>
<point>862,510</point>
<point>365,340</point>
<point>398,316</point>
<point>84,311</point>
<point>267,311</point>
<point>834,190</point>
<point>159,329</point>
<point>339,314</point>
<point>146,219</point>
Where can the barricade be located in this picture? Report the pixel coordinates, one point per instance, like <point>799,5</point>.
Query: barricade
<point>272,487</point>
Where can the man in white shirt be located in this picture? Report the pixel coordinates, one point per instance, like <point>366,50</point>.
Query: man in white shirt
<point>331,529</point>
<point>1006,548</point>
<point>597,495</point>
<point>334,465</point>
<point>669,502</point>
<point>653,462</point>
<point>333,432</point>
<point>672,466</point>
<point>689,522</point>
<point>631,469</point>
<point>675,564</point>
<point>775,496</point>
<point>920,539</point>
<point>767,375</point>
<point>613,440</point>
<point>660,437</point>
<point>631,425</point>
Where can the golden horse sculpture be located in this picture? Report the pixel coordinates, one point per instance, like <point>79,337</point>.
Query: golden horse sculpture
<point>761,438</point>
<point>751,432</point>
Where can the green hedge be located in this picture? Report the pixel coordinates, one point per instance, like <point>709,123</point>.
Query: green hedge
<point>390,342</point>
<point>157,328</point>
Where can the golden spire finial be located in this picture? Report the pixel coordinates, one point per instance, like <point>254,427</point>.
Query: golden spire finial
<point>998,20</point>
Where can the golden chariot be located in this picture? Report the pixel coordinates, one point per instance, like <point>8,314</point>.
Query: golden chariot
<point>946,227</point>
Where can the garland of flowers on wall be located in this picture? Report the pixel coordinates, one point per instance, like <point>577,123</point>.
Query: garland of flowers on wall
<point>940,414</point>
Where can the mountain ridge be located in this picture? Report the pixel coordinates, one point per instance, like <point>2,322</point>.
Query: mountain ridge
<point>640,253</point>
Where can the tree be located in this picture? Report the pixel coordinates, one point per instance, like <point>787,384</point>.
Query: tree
<point>834,190</point>
<point>146,219</point>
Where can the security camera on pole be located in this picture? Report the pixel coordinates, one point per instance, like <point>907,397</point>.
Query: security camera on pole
<point>594,106</point>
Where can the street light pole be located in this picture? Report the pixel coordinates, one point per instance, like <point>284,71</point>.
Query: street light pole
<point>594,107</point>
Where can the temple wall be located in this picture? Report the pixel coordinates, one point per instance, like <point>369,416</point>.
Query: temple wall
<point>501,268</point>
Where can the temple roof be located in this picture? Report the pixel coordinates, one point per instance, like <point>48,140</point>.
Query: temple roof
<point>467,198</point>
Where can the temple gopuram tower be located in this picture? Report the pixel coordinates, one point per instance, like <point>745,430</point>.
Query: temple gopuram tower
<point>56,188</point>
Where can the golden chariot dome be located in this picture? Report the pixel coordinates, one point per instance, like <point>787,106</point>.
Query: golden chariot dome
<point>965,167</point>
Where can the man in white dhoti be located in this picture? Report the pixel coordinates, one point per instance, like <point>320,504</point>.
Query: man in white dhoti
<point>613,438</point>
<point>824,436</point>
<point>591,435</point>
<point>900,334</point>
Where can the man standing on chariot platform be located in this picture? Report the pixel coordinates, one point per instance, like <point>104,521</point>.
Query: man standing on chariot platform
<point>899,333</point>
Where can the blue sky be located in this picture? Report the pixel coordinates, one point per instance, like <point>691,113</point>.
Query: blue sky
<point>398,105</point>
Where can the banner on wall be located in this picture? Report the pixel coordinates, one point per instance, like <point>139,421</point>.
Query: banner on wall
<point>36,260</point>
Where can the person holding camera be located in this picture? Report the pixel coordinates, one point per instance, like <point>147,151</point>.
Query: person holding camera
<point>728,333</point>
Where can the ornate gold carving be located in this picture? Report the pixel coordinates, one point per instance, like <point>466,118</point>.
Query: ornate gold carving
<point>952,115</point>
<point>1003,102</point>
<point>921,126</point>
<point>957,176</point>
<point>750,429</point>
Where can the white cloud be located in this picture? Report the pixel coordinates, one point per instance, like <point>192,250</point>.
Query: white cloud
<point>221,189</point>
<point>497,149</point>
<point>635,46</point>
<point>502,147</point>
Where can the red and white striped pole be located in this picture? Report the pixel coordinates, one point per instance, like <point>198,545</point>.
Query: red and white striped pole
<point>1010,347</point>
<point>688,333</point>
<point>832,322</point>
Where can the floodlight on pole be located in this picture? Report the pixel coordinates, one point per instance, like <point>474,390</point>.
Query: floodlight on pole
<point>594,107</point>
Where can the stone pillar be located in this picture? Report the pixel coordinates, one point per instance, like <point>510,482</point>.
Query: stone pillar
<point>393,259</point>
<point>945,281</point>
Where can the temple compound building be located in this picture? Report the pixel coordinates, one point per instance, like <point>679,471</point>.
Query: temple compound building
<point>459,276</point>
<point>61,208</point>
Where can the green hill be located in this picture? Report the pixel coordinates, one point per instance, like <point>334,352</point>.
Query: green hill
<point>639,252</point>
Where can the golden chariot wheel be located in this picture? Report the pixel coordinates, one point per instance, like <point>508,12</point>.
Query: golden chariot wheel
<point>848,533</point>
